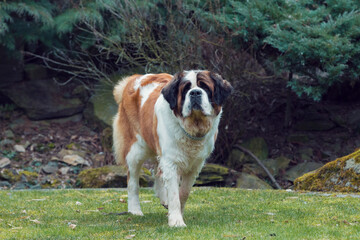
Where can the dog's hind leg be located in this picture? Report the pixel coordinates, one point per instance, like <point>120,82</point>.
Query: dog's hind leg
<point>135,158</point>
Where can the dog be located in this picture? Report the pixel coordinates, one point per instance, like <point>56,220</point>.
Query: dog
<point>172,120</point>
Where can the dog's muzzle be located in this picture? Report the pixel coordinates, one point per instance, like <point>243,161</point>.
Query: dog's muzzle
<point>195,99</point>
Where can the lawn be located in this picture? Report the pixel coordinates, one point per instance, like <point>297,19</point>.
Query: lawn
<point>211,213</point>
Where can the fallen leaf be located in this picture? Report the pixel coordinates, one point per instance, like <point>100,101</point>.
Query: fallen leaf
<point>78,203</point>
<point>122,200</point>
<point>24,211</point>
<point>130,236</point>
<point>41,199</point>
<point>35,221</point>
<point>72,226</point>
<point>16,228</point>
<point>146,201</point>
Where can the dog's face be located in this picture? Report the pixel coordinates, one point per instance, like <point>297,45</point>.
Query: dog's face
<point>196,95</point>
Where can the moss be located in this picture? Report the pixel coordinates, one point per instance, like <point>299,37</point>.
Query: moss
<point>332,177</point>
<point>30,176</point>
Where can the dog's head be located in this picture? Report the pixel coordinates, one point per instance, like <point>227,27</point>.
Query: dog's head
<point>196,94</point>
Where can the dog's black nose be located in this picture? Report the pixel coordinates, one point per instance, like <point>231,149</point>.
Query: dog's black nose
<point>195,93</point>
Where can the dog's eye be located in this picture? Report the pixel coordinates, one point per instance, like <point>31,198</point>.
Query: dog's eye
<point>205,87</point>
<point>185,90</point>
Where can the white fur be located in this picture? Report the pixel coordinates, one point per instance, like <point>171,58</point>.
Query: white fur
<point>146,90</point>
<point>205,104</point>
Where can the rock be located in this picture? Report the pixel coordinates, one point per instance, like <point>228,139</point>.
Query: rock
<point>273,165</point>
<point>50,168</point>
<point>101,109</point>
<point>314,125</point>
<point>43,99</point>
<point>298,138</point>
<point>216,175</point>
<point>4,162</point>
<point>6,142</point>
<point>64,170</point>
<point>306,154</point>
<point>340,175</point>
<point>19,148</point>
<point>256,145</point>
<point>110,176</point>
<point>19,186</point>
<point>106,139</point>
<point>64,152</point>
<point>9,134</point>
<point>75,160</point>
<point>5,184</point>
<point>98,158</point>
<point>248,181</point>
<point>301,169</point>
<point>35,71</point>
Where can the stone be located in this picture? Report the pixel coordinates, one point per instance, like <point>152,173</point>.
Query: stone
<point>64,170</point>
<point>101,109</point>
<point>256,145</point>
<point>306,154</point>
<point>43,99</point>
<point>314,125</point>
<point>9,134</point>
<point>110,176</point>
<point>6,142</point>
<point>340,175</point>
<point>216,175</point>
<point>248,181</point>
<point>5,184</point>
<point>19,148</point>
<point>35,71</point>
<point>74,160</point>
<point>63,152</point>
<point>4,162</point>
<point>50,168</point>
<point>298,138</point>
<point>301,169</point>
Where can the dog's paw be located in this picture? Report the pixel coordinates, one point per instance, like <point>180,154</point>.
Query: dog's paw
<point>176,222</point>
<point>136,212</point>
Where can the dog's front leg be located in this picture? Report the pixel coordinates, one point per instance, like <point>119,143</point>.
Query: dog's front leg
<point>185,188</point>
<point>172,186</point>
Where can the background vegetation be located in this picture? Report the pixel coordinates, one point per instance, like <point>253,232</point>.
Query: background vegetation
<point>311,44</point>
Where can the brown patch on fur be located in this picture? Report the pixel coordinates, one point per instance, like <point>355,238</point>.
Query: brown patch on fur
<point>205,78</point>
<point>134,119</point>
<point>197,124</point>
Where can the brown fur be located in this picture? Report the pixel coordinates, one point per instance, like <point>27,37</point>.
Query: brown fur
<point>133,119</point>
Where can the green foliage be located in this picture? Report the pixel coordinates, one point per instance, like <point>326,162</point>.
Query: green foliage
<point>316,41</point>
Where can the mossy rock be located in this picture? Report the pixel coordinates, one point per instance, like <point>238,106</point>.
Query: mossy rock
<point>213,175</point>
<point>341,175</point>
<point>248,181</point>
<point>110,177</point>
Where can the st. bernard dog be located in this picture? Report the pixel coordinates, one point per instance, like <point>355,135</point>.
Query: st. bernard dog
<point>172,120</point>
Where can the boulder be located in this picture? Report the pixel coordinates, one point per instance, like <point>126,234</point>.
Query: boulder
<point>340,175</point>
<point>43,99</point>
<point>110,176</point>
<point>301,169</point>
<point>248,181</point>
<point>273,165</point>
<point>256,145</point>
<point>101,109</point>
<point>216,175</point>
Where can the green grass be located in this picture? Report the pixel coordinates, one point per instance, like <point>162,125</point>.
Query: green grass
<point>211,213</point>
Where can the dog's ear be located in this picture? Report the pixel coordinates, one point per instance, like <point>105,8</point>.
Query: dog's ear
<point>222,88</point>
<point>171,90</point>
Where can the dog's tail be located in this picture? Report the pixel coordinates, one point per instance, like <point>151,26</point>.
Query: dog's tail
<point>119,89</point>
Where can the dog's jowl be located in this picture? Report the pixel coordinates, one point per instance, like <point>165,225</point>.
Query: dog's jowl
<point>172,120</point>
